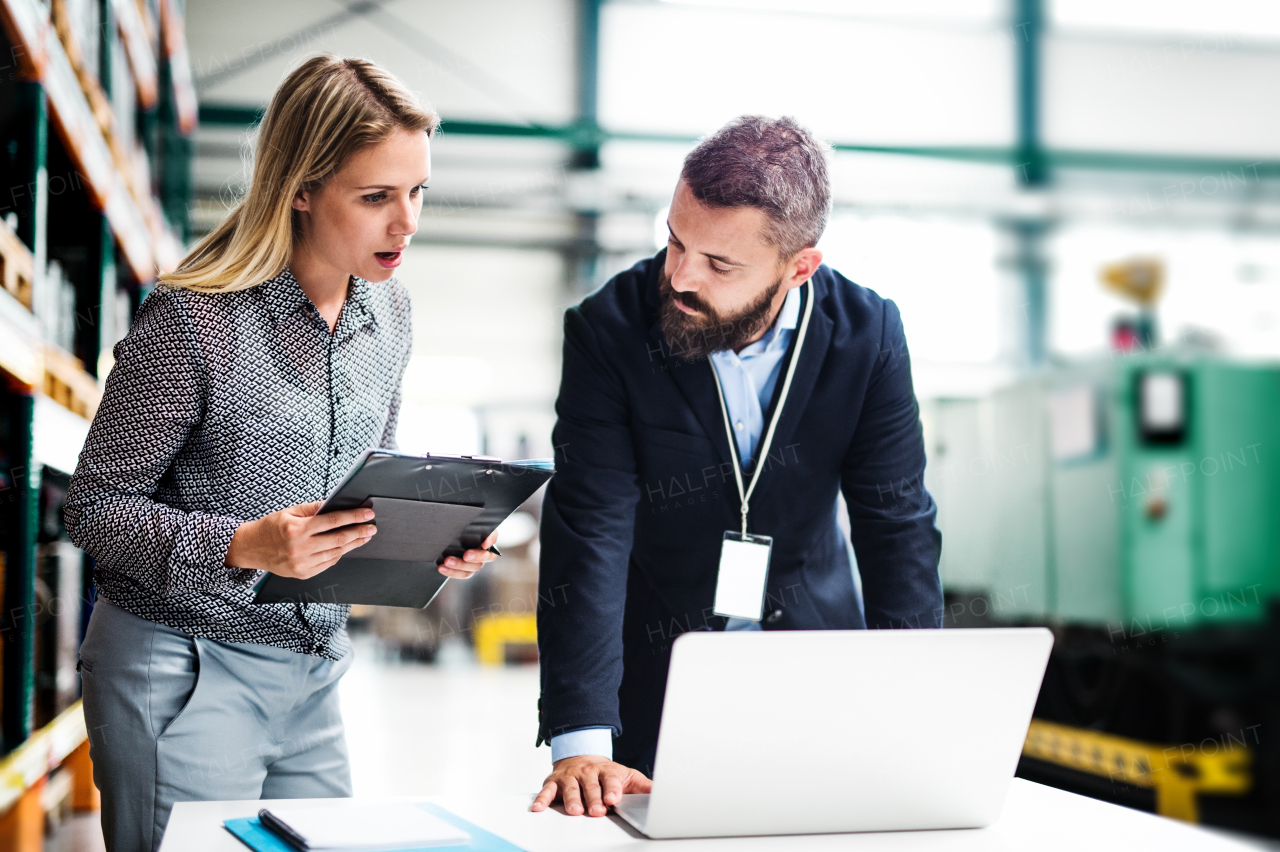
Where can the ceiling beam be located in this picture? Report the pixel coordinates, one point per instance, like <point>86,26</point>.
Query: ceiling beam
<point>1255,168</point>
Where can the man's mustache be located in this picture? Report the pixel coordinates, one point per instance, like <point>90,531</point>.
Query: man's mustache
<point>692,301</point>
<point>689,299</point>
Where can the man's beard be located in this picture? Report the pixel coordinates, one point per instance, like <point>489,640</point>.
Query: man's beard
<point>694,337</point>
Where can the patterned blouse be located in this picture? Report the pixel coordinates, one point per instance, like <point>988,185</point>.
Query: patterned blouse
<point>221,409</point>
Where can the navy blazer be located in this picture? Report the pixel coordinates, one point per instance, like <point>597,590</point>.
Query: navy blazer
<point>644,491</point>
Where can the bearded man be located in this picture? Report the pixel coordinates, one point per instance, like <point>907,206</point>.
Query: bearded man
<point>716,399</point>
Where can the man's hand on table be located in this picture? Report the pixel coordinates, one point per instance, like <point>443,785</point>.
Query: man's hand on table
<point>589,784</point>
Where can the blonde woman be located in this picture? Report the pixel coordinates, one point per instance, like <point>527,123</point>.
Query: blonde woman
<point>251,379</point>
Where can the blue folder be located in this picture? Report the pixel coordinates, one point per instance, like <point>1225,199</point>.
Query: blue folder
<point>252,834</point>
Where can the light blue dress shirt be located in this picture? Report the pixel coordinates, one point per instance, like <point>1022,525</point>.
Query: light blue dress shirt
<point>747,379</point>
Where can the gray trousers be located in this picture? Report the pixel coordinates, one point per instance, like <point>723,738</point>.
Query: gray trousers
<point>178,718</point>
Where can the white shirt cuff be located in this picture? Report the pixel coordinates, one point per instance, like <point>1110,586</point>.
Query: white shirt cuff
<point>598,741</point>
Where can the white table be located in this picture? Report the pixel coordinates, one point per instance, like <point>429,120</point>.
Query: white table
<point>1035,818</point>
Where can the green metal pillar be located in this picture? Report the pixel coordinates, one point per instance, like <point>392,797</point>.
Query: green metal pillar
<point>587,135</point>
<point>107,257</point>
<point>106,44</point>
<point>17,623</point>
<point>110,280</point>
<point>586,138</point>
<point>96,293</point>
<point>1028,29</point>
<point>1025,240</point>
<point>1029,266</point>
<point>175,153</point>
<point>1027,235</point>
<point>30,189</point>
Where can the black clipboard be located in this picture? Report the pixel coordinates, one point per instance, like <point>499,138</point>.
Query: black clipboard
<point>427,508</point>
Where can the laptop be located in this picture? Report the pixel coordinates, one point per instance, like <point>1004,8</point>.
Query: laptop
<point>810,732</point>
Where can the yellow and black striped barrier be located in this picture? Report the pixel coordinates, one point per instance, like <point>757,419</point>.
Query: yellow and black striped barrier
<point>1177,773</point>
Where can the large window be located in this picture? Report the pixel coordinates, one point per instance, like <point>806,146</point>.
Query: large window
<point>680,68</point>
<point>1221,285</point>
<point>942,275</point>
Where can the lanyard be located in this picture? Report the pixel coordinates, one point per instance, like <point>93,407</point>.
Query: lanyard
<point>762,451</point>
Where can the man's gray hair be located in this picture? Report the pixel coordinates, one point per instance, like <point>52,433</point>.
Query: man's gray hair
<point>772,164</point>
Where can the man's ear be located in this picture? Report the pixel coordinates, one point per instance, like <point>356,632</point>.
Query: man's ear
<point>802,267</point>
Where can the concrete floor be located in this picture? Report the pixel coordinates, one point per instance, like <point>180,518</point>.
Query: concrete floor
<point>453,727</point>
<point>80,833</point>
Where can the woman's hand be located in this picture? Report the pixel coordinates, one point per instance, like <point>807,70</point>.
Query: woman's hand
<point>471,561</point>
<point>298,543</point>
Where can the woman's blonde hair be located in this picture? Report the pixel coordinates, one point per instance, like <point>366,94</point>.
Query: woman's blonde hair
<point>324,112</point>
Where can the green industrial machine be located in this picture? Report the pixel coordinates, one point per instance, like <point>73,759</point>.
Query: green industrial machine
<point>1133,505</point>
<point>1200,496</point>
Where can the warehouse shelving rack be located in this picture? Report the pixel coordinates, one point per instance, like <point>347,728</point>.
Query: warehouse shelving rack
<point>96,109</point>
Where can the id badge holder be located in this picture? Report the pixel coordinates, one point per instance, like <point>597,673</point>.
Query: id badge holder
<point>744,570</point>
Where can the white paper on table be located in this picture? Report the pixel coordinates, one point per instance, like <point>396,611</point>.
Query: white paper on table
<point>373,827</point>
